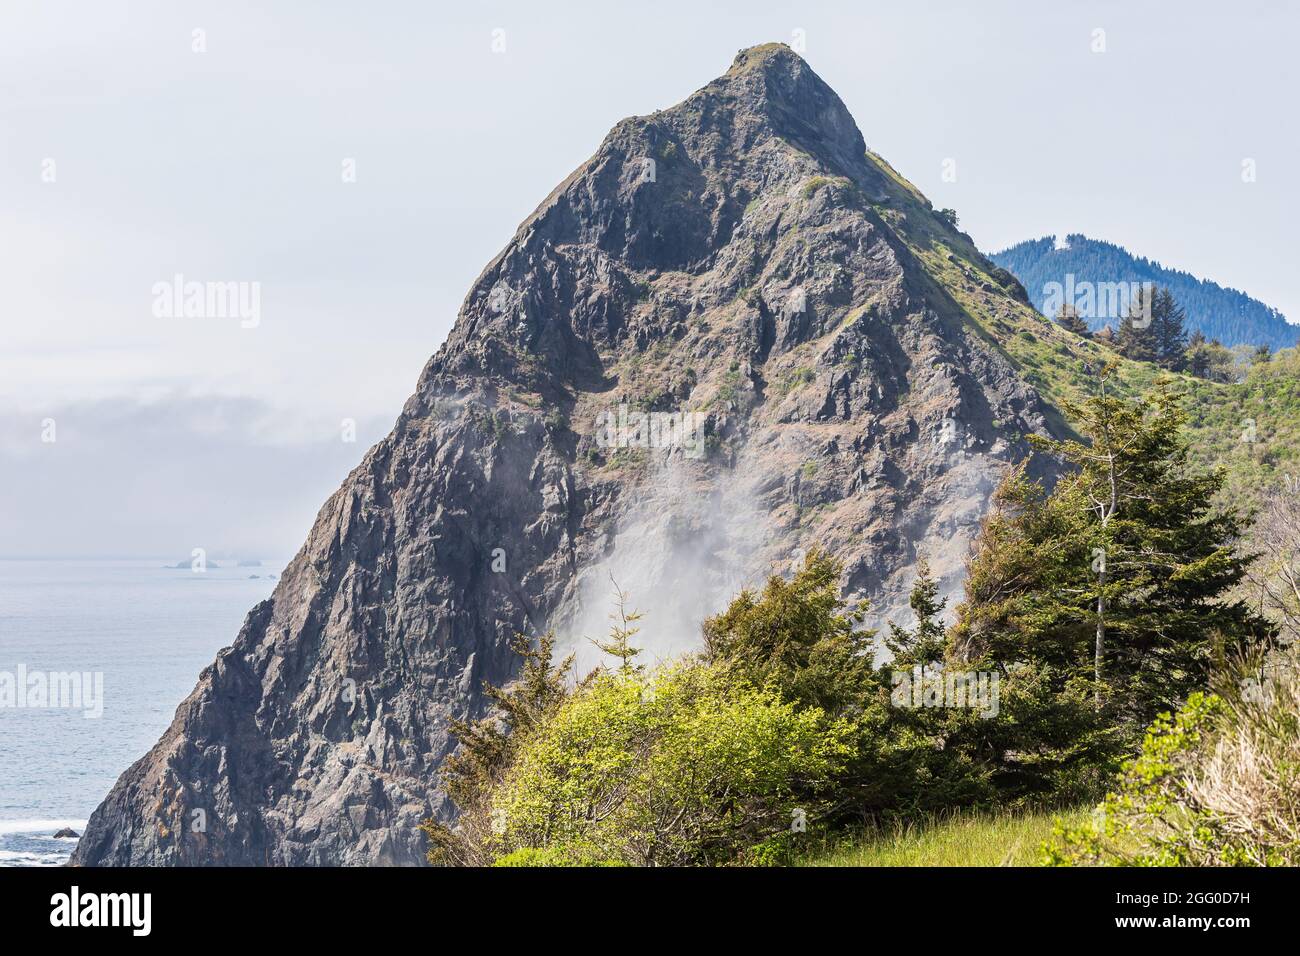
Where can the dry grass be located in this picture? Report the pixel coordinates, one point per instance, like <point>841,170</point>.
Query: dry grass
<point>1248,779</point>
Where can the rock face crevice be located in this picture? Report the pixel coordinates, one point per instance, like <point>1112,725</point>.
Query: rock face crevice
<point>741,255</point>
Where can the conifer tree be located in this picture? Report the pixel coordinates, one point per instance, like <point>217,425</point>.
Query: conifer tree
<point>1153,330</point>
<point>800,636</point>
<point>1197,356</point>
<point>487,748</point>
<point>924,643</point>
<point>1067,317</point>
<point>1168,326</point>
<point>1136,338</point>
<point>1117,580</point>
<point>622,629</point>
<point>1211,360</point>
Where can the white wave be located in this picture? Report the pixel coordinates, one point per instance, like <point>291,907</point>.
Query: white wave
<point>39,827</point>
<point>24,858</point>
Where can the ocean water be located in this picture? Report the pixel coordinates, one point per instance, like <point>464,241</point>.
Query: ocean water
<point>148,630</point>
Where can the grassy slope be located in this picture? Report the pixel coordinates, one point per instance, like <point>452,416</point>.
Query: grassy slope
<point>968,839</point>
<point>1063,366</point>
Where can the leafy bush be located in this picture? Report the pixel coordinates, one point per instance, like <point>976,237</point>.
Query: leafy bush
<point>569,856</point>
<point>1147,820</point>
<point>681,766</point>
<point>1217,784</point>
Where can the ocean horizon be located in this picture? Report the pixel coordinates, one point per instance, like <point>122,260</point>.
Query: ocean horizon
<point>128,638</point>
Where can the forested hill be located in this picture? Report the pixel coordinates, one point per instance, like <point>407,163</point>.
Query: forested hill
<point>1228,315</point>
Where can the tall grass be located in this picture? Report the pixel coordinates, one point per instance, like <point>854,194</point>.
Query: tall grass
<point>965,839</point>
<point>1248,781</point>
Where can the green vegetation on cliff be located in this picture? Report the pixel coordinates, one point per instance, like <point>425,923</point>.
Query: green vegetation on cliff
<point>1090,609</point>
<point>1249,425</point>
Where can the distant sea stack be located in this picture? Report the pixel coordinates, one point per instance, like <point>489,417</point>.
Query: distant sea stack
<point>740,257</point>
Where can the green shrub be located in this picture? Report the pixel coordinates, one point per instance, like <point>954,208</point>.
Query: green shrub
<point>1217,784</point>
<point>799,637</point>
<point>814,184</point>
<point>684,765</point>
<point>562,856</point>
<point>1147,822</point>
<point>795,378</point>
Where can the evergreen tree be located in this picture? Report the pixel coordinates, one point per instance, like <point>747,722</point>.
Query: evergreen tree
<point>1117,581</point>
<point>487,749</point>
<point>924,644</point>
<point>926,758</point>
<point>1210,360</point>
<point>1168,327</point>
<point>622,629</point>
<point>1067,316</point>
<point>1153,330</point>
<point>799,636</point>
<point>1197,357</point>
<point>1136,338</point>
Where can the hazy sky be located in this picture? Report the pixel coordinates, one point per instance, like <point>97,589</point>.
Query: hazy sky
<point>126,157</point>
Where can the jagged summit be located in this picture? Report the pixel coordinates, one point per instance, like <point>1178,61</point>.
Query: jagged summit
<point>739,258</point>
<point>774,80</point>
<point>667,191</point>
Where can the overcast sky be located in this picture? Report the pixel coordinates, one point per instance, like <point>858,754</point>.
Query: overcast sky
<point>128,156</point>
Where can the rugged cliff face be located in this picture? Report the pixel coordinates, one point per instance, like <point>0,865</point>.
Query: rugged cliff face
<point>740,255</point>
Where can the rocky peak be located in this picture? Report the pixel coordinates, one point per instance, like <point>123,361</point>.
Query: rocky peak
<point>665,193</point>
<point>739,258</point>
<point>773,82</point>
